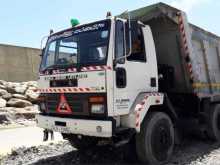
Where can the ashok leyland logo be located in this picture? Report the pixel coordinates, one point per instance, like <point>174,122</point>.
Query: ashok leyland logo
<point>63,106</point>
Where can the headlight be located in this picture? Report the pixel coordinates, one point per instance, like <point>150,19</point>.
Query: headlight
<point>98,108</point>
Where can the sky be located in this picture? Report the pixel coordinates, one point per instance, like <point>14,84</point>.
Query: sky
<point>26,22</point>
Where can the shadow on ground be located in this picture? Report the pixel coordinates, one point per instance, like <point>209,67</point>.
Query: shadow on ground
<point>97,155</point>
<point>191,151</point>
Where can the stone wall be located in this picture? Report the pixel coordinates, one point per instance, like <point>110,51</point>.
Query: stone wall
<point>19,63</point>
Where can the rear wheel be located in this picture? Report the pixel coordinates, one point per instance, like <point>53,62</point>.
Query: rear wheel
<point>213,129</point>
<point>155,142</point>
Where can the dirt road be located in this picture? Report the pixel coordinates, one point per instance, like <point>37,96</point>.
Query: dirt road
<point>192,151</point>
<point>26,136</point>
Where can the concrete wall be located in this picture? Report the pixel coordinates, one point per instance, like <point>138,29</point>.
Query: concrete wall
<point>18,63</point>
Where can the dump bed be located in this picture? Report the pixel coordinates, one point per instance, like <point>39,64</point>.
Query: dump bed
<point>188,56</point>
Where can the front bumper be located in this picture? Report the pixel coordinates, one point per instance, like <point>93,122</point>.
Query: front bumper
<point>95,128</point>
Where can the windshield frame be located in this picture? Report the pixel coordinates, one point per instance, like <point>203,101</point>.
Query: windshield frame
<point>57,37</point>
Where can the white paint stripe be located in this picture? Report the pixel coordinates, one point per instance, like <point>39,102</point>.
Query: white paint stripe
<point>94,68</point>
<point>67,90</point>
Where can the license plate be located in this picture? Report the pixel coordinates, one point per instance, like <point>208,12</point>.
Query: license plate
<point>61,129</point>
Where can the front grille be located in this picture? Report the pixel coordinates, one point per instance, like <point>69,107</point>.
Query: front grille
<point>77,102</point>
<point>52,101</point>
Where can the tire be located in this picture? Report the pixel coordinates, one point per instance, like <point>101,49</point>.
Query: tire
<point>213,126</point>
<point>155,142</point>
<point>83,143</point>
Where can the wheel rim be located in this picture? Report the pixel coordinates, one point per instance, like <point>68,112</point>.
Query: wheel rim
<point>161,140</point>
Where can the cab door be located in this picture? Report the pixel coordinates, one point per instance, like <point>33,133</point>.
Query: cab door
<point>133,73</point>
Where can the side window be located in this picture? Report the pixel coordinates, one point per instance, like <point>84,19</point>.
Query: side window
<point>119,39</point>
<point>138,49</point>
<point>49,57</point>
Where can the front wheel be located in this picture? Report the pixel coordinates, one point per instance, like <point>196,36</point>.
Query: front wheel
<point>155,142</point>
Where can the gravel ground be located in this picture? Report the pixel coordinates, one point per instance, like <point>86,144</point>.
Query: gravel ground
<point>35,154</point>
<point>191,151</point>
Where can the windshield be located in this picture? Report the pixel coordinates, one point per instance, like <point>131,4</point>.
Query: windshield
<point>82,46</point>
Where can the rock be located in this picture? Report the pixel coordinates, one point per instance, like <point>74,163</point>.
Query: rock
<point>32,84</point>
<point>2,82</point>
<point>32,88</point>
<point>19,96</point>
<point>3,92</point>
<point>33,108</point>
<point>21,89</point>
<point>10,87</point>
<point>13,87</point>
<point>3,118</point>
<point>2,103</point>
<point>6,109</point>
<point>14,102</point>
<point>32,96</point>
<point>19,110</point>
<point>2,87</point>
<point>7,96</point>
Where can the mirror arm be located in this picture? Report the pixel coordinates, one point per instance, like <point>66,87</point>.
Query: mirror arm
<point>129,28</point>
<point>42,52</point>
<point>115,61</point>
<point>42,40</point>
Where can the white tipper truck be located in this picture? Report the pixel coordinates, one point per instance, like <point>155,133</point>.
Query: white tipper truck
<point>141,77</point>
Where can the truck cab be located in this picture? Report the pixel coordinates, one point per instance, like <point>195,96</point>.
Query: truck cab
<point>97,70</point>
<point>93,76</point>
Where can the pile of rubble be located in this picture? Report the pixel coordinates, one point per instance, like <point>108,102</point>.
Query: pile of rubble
<point>17,99</point>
